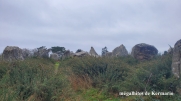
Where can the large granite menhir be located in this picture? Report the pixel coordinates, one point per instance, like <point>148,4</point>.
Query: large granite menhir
<point>42,53</point>
<point>12,53</point>
<point>144,51</point>
<point>81,54</point>
<point>54,56</point>
<point>120,51</point>
<point>92,52</point>
<point>176,59</point>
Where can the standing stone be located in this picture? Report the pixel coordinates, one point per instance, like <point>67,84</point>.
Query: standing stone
<point>54,56</point>
<point>26,53</point>
<point>176,59</point>
<point>120,51</point>
<point>60,53</point>
<point>92,52</point>
<point>144,51</point>
<point>170,50</point>
<point>42,53</point>
<point>12,53</point>
<point>108,54</point>
<point>67,54</point>
<point>1,57</point>
<point>81,54</point>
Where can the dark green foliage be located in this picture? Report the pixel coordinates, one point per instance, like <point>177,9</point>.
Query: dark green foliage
<point>113,75</point>
<point>3,69</point>
<point>42,47</point>
<point>58,49</point>
<point>104,51</point>
<point>78,50</point>
<point>154,75</point>
<point>32,78</point>
<point>38,79</point>
<point>129,60</point>
<point>105,73</point>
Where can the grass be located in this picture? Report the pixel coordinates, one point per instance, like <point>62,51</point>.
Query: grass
<point>86,79</point>
<point>32,79</point>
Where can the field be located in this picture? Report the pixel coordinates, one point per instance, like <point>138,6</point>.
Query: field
<point>87,79</point>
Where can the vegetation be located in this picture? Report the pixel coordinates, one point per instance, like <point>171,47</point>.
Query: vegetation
<point>58,49</point>
<point>78,50</point>
<point>104,51</point>
<point>87,79</point>
<point>1,57</point>
<point>42,47</point>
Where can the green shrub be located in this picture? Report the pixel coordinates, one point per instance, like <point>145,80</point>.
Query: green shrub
<point>154,75</point>
<point>37,79</point>
<point>33,77</point>
<point>113,75</point>
<point>104,73</point>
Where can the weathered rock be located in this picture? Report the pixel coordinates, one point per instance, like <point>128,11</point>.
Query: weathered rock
<point>59,53</point>
<point>42,53</point>
<point>120,51</point>
<point>176,59</point>
<point>54,56</point>
<point>144,51</point>
<point>27,53</point>
<point>81,54</point>
<point>108,54</point>
<point>170,50</point>
<point>92,52</point>
<point>0,57</point>
<point>71,53</point>
<point>66,54</point>
<point>12,53</point>
<point>34,52</point>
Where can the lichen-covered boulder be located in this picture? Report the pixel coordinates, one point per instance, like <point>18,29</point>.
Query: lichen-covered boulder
<point>54,56</point>
<point>92,52</point>
<point>108,54</point>
<point>12,53</point>
<point>176,59</point>
<point>27,53</point>
<point>67,54</point>
<point>119,51</point>
<point>81,54</point>
<point>144,51</point>
<point>42,53</point>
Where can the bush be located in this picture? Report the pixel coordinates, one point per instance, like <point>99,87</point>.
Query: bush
<point>154,75</point>
<point>32,79</point>
<point>104,73</point>
<point>113,75</point>
<point>58,49</point>
<point>91,78</point>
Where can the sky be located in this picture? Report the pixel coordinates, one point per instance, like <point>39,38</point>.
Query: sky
<point>80,24</point>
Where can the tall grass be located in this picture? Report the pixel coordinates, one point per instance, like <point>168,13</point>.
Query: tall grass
<point>86,78</point>
<point>102,72</point>
<point>32,80</point>
<point>112,75</point>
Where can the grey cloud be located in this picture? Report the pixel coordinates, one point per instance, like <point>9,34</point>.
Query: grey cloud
<point>81,24</point>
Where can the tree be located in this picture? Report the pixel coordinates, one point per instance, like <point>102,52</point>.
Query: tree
<point>42,47</point>
<point>79,50</point>
<point>58,49</point>
<point>42,52</point>
<point>104,51</point>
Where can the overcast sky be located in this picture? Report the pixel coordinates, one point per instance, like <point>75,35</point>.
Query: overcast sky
<point>80,24</point>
